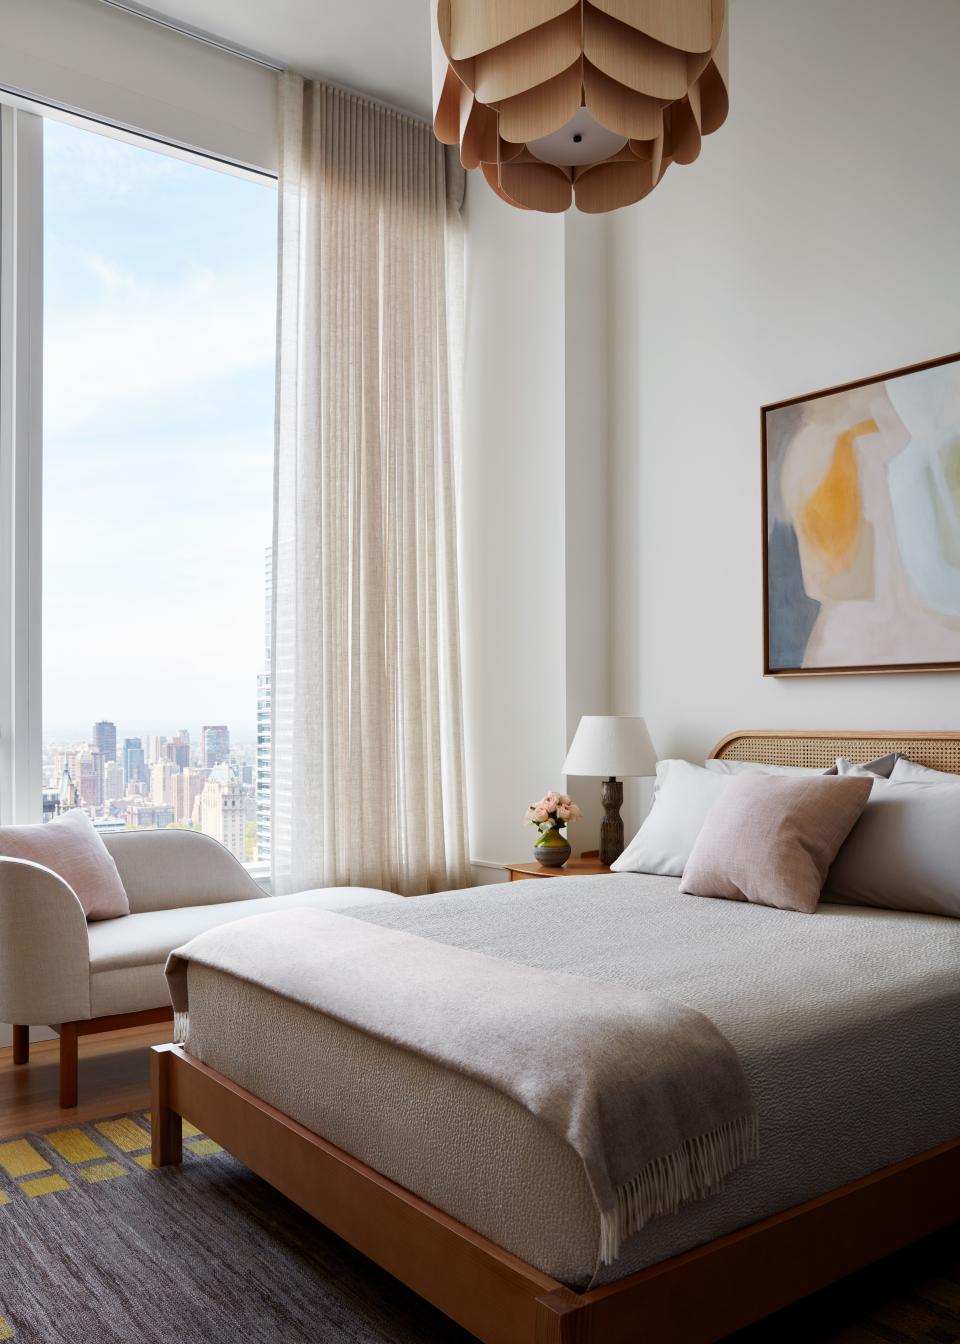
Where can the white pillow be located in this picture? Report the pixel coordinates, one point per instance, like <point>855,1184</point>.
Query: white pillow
<point>684,795</point>
<point>905,771</point>
<point>741,767</point>
<point>904,852</point>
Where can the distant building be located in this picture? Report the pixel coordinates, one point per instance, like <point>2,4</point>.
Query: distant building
<point>188,785</point>
<point>163,789</point>
<point>114,783</point>
<point>109,825</point>
<point>88,776</point>
<point>141,816</point>
<point>134,765</point>
<point>264,721</point>
<point>105,739</point>
<point>156,748</point>
<point>214,744</point>
<point>181,749</point>
<point>68,796</point>
<point>220,810</point>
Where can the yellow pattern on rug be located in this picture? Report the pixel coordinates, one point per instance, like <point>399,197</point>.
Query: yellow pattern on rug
<point>19,1158</point>
<point>124,1134</point>
<point>102,1171</point>
<point>73,1145</point>
<point>6,1329</point>
<point>89,1162</point>
<point>44,1185</point>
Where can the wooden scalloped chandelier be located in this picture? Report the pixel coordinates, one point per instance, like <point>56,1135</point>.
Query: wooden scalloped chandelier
<point>589,102</point>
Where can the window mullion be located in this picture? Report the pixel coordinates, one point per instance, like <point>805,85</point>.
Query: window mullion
<point>21,427</point>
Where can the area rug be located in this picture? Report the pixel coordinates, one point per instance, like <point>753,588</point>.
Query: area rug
<point>98,1246</point>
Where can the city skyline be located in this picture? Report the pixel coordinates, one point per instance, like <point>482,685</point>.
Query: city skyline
<point>203,782</point>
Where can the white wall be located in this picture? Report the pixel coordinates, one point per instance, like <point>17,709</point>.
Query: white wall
<point>511,519</point>
<point>816,241</point>
<point>98,60</point>
<point>534,555</point>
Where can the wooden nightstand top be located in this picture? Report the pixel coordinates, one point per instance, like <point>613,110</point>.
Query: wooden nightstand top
<point>588,865</point>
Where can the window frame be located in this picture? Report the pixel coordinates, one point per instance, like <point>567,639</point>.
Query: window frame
<point>21,433</point>
<point>21,463</point>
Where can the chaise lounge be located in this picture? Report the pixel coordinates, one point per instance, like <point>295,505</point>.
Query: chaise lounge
<point>58,970</point>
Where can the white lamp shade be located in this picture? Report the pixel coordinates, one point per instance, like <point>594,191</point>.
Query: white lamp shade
<point>612,748</point>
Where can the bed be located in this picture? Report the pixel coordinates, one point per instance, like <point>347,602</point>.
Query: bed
<point>841,1022</point>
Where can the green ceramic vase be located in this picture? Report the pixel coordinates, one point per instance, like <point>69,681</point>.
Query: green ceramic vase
<point>551,850</point>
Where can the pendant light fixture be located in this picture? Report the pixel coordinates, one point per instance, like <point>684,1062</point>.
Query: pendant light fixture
<point>589,102</point>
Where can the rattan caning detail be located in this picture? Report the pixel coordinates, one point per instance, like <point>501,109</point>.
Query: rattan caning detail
<point>939,751</point>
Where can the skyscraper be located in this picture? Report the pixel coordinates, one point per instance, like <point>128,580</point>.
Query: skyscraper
<point>89,776</point>
<point>156,744</point>
<point>220,809</point>
<point>113,781</point>
<point>105,739</point>
<point>264,700</point>
<point>188,786</point>
<point>163,789</point>
<point>214,744</point>
<point>134,766</point>
<point>181,749</point>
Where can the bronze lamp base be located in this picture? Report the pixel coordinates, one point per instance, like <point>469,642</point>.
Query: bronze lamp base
<point>611,828</point>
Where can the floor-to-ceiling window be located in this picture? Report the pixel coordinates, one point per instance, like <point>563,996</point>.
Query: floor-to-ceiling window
<point>158,331</point>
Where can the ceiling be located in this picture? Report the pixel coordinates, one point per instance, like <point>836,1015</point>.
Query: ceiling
<point>377,47</point>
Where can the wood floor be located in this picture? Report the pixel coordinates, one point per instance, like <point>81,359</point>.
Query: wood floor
<point>114,1079</point>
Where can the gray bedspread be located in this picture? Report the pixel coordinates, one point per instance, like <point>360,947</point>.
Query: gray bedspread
<point>845,1022</point>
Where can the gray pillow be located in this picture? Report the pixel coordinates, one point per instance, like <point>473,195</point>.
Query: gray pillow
<point>904,852</point>
<point>882,766</point>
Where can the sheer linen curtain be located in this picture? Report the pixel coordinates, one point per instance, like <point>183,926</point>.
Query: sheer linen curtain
<point>367,784</point>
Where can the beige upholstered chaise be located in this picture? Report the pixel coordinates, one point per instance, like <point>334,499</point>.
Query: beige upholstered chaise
<point>58,970</point>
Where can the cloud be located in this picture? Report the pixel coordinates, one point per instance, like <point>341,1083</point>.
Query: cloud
<point>136,344</point>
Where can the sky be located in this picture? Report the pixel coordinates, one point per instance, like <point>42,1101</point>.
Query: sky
<point>159,331</point>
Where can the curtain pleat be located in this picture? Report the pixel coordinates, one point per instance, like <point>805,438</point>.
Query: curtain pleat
<point>367,781</point>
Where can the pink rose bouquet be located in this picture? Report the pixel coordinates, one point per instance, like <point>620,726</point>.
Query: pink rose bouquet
<point>552,812</point>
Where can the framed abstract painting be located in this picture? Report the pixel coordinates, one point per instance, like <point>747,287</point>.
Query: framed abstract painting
<point>861,525</point>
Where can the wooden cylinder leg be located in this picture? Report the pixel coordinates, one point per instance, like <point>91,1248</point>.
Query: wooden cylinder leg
<point>166,1127</point>
<point>611,828</point>
<point>21,1045</point>
<point>68,1063</point>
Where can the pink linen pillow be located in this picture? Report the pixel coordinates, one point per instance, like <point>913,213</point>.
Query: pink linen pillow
<point>770,839</point>
<point>70,847</point>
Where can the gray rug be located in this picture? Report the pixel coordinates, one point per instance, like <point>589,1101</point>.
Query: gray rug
<point>106,1250</point>
<point>97,1247</point>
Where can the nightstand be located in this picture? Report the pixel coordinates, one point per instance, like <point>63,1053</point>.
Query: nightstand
<point>588,865</point>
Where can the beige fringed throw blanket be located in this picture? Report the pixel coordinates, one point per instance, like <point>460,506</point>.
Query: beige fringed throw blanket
<point>648,1093</point>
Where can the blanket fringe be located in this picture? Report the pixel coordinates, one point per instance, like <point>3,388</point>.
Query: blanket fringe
<point>692,1171</point>
<point>181,1025</point>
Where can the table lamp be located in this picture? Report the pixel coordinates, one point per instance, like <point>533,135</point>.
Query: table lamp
<point>611,747</point>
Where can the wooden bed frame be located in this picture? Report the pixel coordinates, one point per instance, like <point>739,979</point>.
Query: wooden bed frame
<point>694,1298</point>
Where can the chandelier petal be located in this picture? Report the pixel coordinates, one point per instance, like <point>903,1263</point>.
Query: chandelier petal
<point>684,24</point>
<point>546,108</point>
<point>632,59</point>
<point>531,59</point>
<point>630,114</point>
<point>476,27</point>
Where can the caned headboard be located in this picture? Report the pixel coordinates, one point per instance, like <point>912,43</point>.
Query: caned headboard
<point>939,751</point>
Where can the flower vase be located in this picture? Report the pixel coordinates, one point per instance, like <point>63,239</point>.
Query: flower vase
<point>551,850</point>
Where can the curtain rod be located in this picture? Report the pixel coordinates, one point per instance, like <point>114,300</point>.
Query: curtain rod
<point>198,35</point>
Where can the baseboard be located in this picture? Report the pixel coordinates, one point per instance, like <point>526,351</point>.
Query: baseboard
<point>485,873</point>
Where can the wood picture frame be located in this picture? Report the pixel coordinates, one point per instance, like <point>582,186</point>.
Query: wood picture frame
<point>844,538</point>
